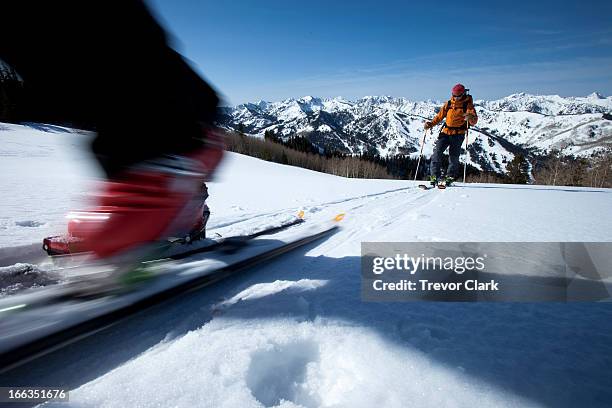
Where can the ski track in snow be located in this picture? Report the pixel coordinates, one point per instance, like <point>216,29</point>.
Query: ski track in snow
<point>294,332</point>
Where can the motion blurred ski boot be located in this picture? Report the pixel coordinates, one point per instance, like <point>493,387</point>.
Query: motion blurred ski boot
<point>147,203</point>
<point>448,181</point>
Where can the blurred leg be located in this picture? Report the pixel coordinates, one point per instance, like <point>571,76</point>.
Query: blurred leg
<point>107,66</point>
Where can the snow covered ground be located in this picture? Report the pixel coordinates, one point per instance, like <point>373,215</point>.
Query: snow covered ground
<point>294,332</point>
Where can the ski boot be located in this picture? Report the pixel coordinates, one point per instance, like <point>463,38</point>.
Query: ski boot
<point>134,214</point>
<point>149,202</point>
<point>433,181</point>
<point>448,181</point>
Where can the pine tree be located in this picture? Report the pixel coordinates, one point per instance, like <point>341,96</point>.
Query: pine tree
<point>284,159</point>
<point>518,170</point>
<point>271,136</point>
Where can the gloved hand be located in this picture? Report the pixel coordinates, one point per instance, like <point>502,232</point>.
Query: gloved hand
<point>470,117</point>
<point>428,125</point>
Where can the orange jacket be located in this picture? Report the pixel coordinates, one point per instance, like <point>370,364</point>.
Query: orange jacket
<point>454,111</point>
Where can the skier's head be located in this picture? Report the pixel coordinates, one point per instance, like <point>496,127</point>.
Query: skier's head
<point>458,91</point>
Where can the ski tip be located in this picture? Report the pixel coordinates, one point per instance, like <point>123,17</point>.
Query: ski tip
<point>14,307</point>
<point>300,215</point>
<point>339,217</point>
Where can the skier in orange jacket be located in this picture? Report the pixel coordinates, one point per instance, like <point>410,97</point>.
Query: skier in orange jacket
<point>458,112</point>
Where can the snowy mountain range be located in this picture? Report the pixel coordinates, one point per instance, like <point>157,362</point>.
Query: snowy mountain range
<point>388,126</point>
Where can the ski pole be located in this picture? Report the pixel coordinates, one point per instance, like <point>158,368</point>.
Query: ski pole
<point>467,130</point>
<point>420,155</point>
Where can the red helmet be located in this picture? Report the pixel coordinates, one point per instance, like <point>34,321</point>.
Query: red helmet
<point>458,90</point>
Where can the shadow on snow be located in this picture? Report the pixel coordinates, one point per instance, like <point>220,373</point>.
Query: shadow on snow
<point>553,353</point>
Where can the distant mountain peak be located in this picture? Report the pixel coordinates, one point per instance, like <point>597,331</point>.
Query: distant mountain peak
<point>309,98</point>
<point>596,95</point>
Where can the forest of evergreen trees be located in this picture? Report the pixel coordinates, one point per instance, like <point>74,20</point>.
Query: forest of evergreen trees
<point>551,169</point>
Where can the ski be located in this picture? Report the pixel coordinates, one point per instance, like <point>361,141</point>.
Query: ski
<point>445,185</point>
<point>25,332</point>
<point>440,186</point>
<point>98,285</point>
<point>235,241</point>
<point>173,248</point>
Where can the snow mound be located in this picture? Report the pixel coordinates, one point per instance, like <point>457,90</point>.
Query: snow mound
<point>281,363</point>
<point>22,276</point>
<point>261,290</point>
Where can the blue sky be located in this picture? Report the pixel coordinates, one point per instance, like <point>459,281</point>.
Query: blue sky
<point>271,50</point>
